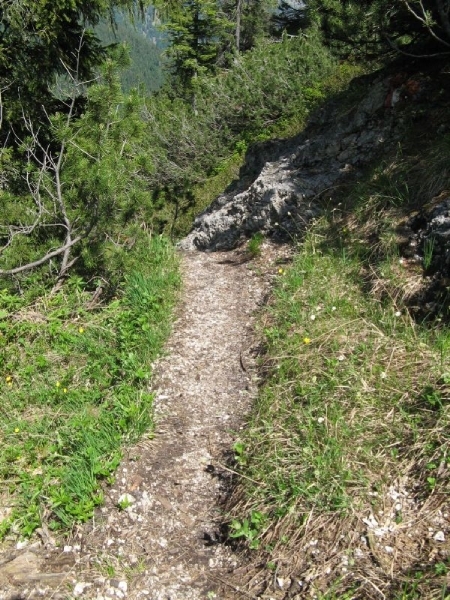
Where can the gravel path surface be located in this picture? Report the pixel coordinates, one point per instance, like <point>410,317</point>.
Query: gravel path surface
<point>164,541</point>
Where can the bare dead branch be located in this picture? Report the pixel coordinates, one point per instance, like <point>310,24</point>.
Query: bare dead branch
<point>40,261</point>
<point>72,143</point>
<point>397,48</point>
<point>57,170</point>
<point>46,187</point>
<point>48,180</point>
<point>424,18</point>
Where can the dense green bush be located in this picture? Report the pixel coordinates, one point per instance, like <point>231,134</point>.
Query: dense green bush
<point>369,28</point>
<point>80,189</point>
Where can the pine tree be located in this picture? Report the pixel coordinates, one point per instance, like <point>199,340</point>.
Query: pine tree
<point>71,163</point>
<point>251,20</point>
<point>38,40</point>
<point>371,27</point>
<point>197,30</point>
<point>67,194</point>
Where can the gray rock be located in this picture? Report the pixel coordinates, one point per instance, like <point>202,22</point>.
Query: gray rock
<point>373,102</point>
<point>433,237</point>
<point>22,569</point>
<point>281,182</point>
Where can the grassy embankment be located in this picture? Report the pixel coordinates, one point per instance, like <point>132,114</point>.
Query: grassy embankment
<point>75,388</point>
<point>346,454</point>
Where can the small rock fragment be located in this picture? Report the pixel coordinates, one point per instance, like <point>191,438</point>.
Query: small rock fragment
<point>79,588</point>
<point>439,536</point>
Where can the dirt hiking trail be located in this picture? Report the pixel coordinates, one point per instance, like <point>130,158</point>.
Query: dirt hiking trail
<point>157,536</point>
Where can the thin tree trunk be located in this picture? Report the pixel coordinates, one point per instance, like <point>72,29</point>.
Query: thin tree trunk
<point>238,25</point>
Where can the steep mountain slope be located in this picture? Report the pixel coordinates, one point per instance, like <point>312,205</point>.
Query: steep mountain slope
<point>145,42</point>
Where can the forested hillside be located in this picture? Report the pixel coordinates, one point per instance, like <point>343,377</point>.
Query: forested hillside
<point>104,166</point>
<point>145,43</point>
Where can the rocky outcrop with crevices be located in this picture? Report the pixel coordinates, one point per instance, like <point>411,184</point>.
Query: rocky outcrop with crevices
<point>282,182</point>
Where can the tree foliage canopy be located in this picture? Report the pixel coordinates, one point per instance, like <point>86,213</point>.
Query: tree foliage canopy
<point>41,38</point>
<point>196,29</point>
<point>416,27</point>
<point>206,34</point>
<point>67,156</point>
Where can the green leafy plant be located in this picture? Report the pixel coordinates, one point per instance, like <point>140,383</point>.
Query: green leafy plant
<point>249,529</point>
<point>428,252</point>
<point>254,245</point>
<point>124,504</point>
<point>239,453</point>
<point>441,568</point>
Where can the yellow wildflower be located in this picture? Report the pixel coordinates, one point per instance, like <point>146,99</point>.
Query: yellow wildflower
<point>58,384</point>
<point>280,271</point>
<point>65,390</point>
<point>81,329</point>
<point>16,430</point>
<point>306,340</point>
<point>8,378</point>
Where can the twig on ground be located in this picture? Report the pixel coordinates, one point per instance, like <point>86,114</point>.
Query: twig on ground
<point>261,483</point>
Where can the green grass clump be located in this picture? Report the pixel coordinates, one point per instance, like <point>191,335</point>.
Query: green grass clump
<point>254,244</point>
<point>74,384</point>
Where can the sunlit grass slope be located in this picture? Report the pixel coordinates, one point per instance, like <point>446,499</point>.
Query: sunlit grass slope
<point>346,455</point>
<point>74,380</point>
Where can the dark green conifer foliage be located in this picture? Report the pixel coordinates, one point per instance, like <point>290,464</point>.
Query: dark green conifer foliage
<point>372,27</point>
<point>83,192</point>
<point>39,39</point>
<point>250,21</point>
<point>197,30</point>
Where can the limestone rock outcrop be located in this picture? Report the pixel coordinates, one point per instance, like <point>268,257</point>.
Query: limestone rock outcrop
<point>431,239</point>
<point>283,184</point>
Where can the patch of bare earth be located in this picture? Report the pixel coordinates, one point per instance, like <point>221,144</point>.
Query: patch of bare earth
<point>158,534</point>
